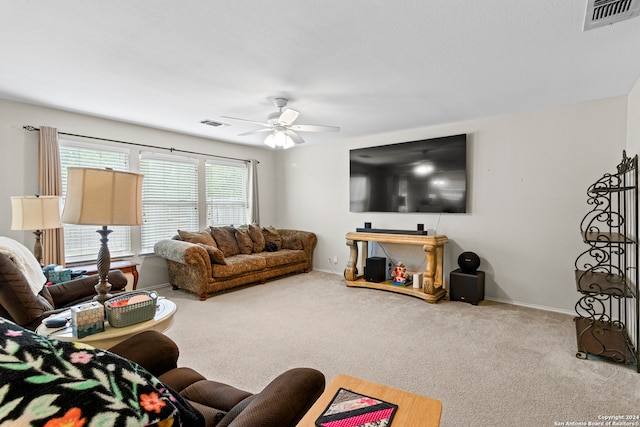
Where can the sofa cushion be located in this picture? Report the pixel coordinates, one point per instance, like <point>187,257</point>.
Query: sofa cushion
<point>271,235</point>
<point>282,257</point>
<point>226,240</point>
<point>239,264</point>
<point>245,244</point>
<point>292,242</point>
<point>203,237</point>
<point>257,237</point>
<point>215,255</point>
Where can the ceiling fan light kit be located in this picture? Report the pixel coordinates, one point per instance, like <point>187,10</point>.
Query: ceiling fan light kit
<point>283,133</point>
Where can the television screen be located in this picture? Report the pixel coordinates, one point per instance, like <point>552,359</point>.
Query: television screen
<point>419,176</point>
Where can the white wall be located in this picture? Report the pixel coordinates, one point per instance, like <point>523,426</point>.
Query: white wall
<point>528,175</point>
<point>527,180</point>
<point>633,120</point>
<point>19,162</point>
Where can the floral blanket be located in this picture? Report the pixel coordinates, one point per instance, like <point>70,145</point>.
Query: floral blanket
<point>45,382</point>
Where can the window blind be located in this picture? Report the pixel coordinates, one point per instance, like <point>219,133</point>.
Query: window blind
<point>81,242</point>
<point>169,197</point>
<point>226,193</point>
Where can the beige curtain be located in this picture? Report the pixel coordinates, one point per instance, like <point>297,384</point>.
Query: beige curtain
<point>254,207</point>
<point>50,181</point>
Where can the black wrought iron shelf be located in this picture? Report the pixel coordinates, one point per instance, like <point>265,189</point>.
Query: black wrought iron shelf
<point>605,190</point>
<point>596,282</point>
<point>604,339</point>
<point>606,272</point>
<point>606,237</point>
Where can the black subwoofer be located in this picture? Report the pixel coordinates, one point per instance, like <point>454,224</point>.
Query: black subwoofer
<point>467,287</point>
<point>374,271</point>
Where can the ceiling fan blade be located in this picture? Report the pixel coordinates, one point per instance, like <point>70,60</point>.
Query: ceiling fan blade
<point>314,128</point>
<point>297,139</point>
<point>250,121</point>
<point>288,116</point>
<point>255,131</point>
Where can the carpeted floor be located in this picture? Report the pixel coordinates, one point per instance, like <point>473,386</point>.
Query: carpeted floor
<point>490,365</point>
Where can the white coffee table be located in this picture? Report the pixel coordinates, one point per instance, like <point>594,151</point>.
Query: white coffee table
<point>112,336</point>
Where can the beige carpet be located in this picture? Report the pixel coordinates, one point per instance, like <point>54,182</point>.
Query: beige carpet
<point>490,365</point>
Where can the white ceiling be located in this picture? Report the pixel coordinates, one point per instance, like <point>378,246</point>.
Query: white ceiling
<point>368,66</point>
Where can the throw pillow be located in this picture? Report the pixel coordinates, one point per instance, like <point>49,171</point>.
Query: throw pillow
<point>215,255</point>
<point>271,235</point>
<point>244,241</point>
<point>292,242</point>
<point>203,237</point>
<point>257,237</point>
<point>271,247</point>
<point>226,240</point>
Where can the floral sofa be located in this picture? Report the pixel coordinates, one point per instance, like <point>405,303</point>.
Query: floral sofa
<point>220,258</point>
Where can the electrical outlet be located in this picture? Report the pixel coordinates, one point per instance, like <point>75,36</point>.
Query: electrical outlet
<point>335,259</point>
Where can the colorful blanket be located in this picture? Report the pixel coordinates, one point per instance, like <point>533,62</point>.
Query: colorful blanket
<point>45,382</point>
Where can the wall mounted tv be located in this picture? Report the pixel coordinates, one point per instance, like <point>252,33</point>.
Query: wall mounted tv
<point>429,175</point>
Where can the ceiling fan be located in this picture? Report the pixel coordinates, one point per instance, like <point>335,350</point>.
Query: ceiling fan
<point>283,133</point>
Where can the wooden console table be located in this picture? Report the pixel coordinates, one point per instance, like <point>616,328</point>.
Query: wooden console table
<point>432,289</point>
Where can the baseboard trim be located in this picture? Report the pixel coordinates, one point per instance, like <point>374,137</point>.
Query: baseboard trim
<point>535,306</point>
<point>155,287</point>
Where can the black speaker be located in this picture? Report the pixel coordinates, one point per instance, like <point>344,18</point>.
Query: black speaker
<point>467,287</point>
<point>468,262</point>
<point>374,271</point>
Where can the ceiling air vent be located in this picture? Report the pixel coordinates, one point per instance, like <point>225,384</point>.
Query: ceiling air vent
<point>212,123</point>
<point>607,12</point>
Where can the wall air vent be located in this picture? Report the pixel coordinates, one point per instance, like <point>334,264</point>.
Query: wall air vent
<point>607,12</point>
<point>212,123</point>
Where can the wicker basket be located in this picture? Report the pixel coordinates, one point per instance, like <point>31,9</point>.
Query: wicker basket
<point>127,315</point>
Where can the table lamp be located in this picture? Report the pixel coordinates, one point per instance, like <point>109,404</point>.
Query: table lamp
<point>103,197</point>
<point>35,213</point>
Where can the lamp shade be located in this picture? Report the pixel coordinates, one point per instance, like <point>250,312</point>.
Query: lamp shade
<point>102,197</point>
<point>35,212</point>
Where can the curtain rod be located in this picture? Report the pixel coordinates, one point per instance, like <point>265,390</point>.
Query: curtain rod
<point>33,128</point>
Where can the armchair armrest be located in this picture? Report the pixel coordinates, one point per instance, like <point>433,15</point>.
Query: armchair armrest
<point>282,403</point>
<point>155,352</point>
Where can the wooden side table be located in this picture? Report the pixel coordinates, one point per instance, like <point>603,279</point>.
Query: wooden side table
<point>124,266</point>
<point>413,410</point>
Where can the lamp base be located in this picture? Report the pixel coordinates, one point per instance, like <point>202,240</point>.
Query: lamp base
<point>102,289</point>
<point>103,263</point>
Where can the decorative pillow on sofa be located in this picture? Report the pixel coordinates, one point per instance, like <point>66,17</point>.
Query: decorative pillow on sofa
<point>292,242</point>
<point>215,254</point>
<point>203,237</point>
<point>271,235</point>
<point>226,240</point>
<point>257,237</point>
<point>244,240</point>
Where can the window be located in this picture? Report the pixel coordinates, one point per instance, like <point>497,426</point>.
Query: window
<point>226,188</point>
<point>81,242</point>
<point>169,197</point>
<point>178,192</point>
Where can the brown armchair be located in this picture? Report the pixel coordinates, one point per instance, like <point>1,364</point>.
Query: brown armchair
<point>19,304</point>
<point>282,403</point>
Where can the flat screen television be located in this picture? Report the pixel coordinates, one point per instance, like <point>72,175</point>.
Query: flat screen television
<point>429,175</point>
